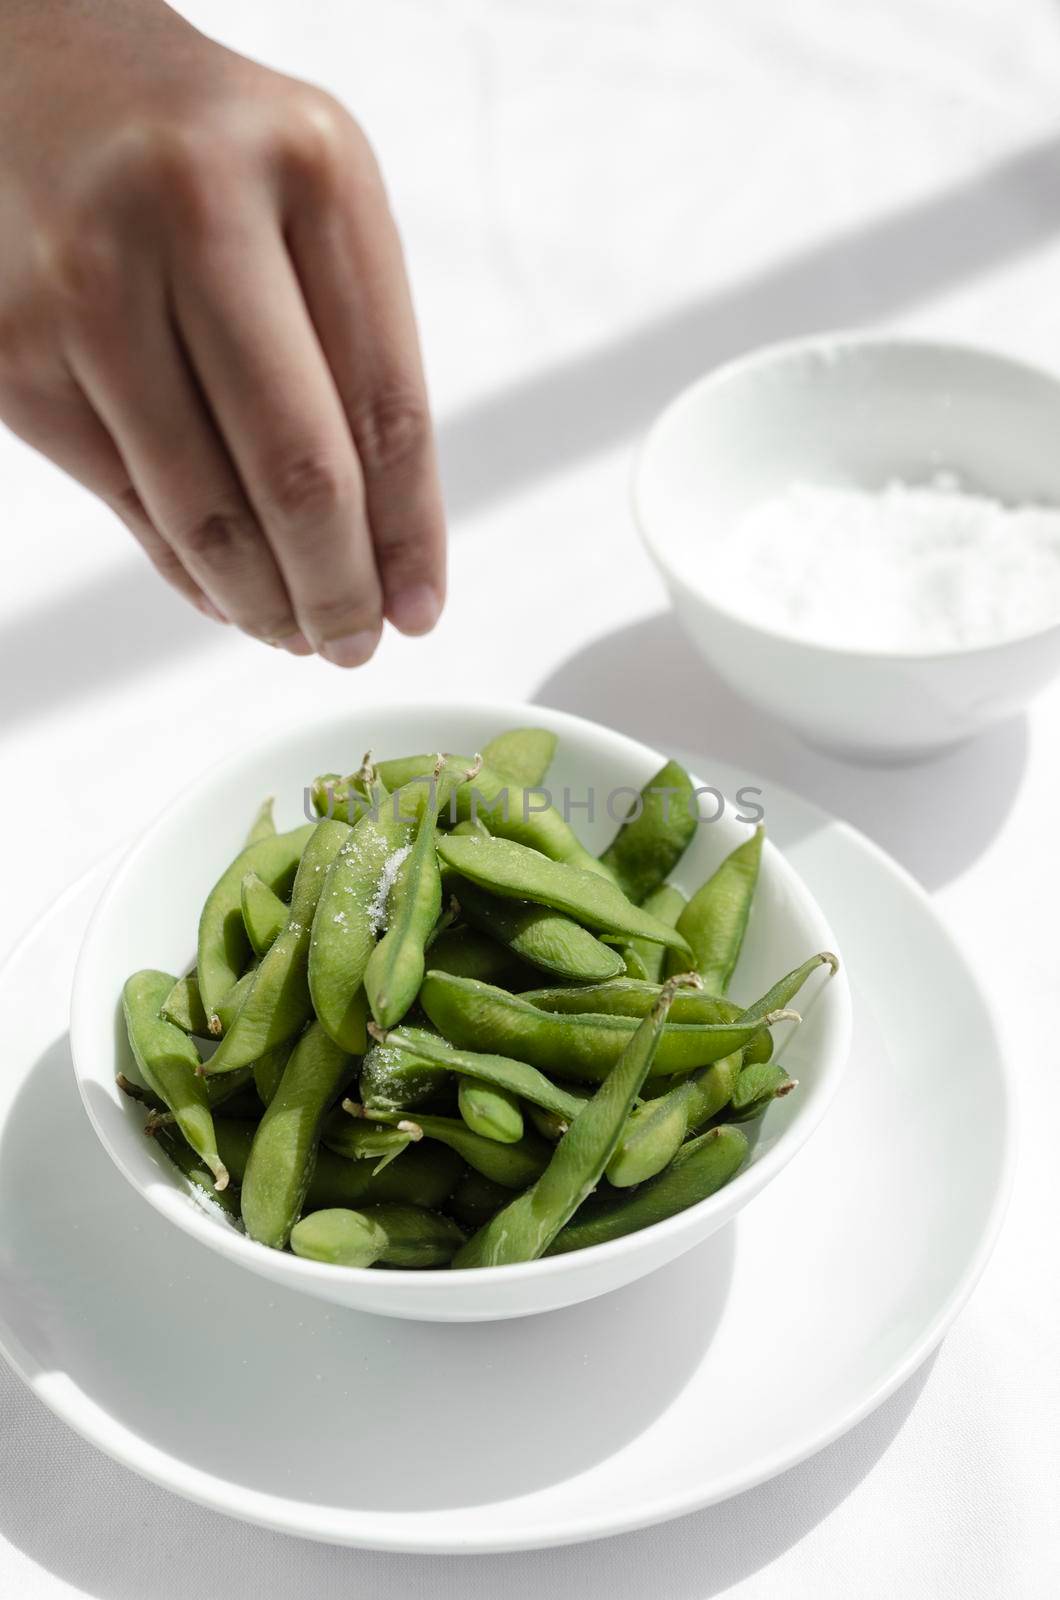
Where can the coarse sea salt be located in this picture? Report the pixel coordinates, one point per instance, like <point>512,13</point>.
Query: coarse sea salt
<point>906,568</point>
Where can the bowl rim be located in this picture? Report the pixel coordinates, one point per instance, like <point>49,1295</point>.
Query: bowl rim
<point>830,343</point>
<point>214,1232</point>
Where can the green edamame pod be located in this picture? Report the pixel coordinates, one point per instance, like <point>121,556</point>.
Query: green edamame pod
<point>415,1237</point>
<point>395,1076</point>
<point>491,1111</point>
<point>476,1199</point>
<point>583,1047</point>
<point>224,948</point>
<point>367,1141</point>
<point>267,1071</point>
<point>509,811</point>
<point>395,967</point>
<point>715,919</point>
<point>264,913</point>
<point>528,1225</point>
<point>516,873</point>
<point>522,755</point>
<point>470,954</point>
<point>657,831</point>
<point>653,1134</point>
<point>428,1056</point>
<point>184,1008</point>
<point>281,1158</point>
<point>629,997</point>
<point>278,1001</point>
<point>756,1087</point>
<point>193,1167</point>
<point>784,992</point>
<point>538,935</point>
<point>665,904</point>
<point>264,825</point>
<point>170,1065</point>
<point>514,1165</point>
<point>699,1169</point>
<point>341,1238</point>
<point>228,1010</point>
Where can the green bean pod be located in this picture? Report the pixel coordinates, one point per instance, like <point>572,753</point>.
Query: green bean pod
<point>476,1199</point>
<point>514,1165</point>
<point>652,1136</point>
<point>657,831</point>
<point>469,954</point>
<point>264,913</point>
<point>422,1050</point>
<point>521,755</point>
<point>715,919</point>
<point>267,1071</point>
<point>784,991</point>
<point>756,1087</point>
<point>538,935</point>
<point>281,1158</point>
<point>184,1008</point>
<point>415,1237</point>
<point>491,1111</point>
<point>395,968</point>
<point>341,1238</point>
<point>699,1169</point>
<point>170,1065</point>
<point>185,1159</point>
<point>630,997</point>
<point>224,948</point>
<point>514,872</point>
<point>278,1001</point>
<point>264,825</point>
<point>367,1141</point>
<point>527,1226</point>
<point>583,1047</point>
<point>665,904</point>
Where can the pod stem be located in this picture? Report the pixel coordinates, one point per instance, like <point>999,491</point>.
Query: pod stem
<point>378,1034</point>
<point>779,1016</point>
<point>133,1090</point>
<point>413,1129</point>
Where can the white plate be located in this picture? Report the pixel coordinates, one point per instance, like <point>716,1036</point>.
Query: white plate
<point>724,1368</point>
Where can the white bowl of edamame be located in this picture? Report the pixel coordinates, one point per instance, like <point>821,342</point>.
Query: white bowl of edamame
<point>436,1051</point>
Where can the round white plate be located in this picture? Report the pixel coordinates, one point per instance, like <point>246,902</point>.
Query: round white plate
<point>718,1371</point>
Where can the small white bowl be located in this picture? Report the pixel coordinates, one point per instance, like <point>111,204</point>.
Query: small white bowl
<point>856,410</point>
<point>148,915</point>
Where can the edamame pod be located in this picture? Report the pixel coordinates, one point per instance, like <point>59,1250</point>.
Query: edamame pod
<point>584,1047</point>
<point>475,1199</point>
<point>193,1167</point>
<point>525,1228</point>
<point>367,1141</point>
<point>263,826</point>
<point>514,1165</point>
<point>281,1158</point>
<point>699,1169</point>
<point>652,1136</point>
<point>522,755</point>
<point>184,1008</point>
<point>517,873</point>
<point>784,991</point>
<point>264,913</point>
<point>341,1238</point>
<point>665,904</point>
<point>415,1237</point>
<point>538,935</point>
<point>630,997</point>
<point>224,948</point>
<point>469,954</point>
<point>170,1066</point>
<point>267,1071</point>
<point>395,967</point>
<point>715,919</point>
<point>489,1110</point>
<point>428,1057</point>
<point>756,1087</point>
<point>657,831</point>
<point>278,1001</point>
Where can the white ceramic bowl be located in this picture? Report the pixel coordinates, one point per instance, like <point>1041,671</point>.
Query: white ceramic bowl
<point>856,410</point>
<point>148,915</point>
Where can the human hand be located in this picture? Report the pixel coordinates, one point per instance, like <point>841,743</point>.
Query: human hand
<point>204,318</point>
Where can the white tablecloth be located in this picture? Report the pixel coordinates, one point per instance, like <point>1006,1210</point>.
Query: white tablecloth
<point>600,199</point>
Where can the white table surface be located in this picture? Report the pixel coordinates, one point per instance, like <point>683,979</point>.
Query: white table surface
<point>600,199</point>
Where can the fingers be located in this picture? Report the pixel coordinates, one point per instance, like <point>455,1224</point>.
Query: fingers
<point>59,422</point>
<point>257,356</point>
<point>348,257</point>
<point>138,381</point>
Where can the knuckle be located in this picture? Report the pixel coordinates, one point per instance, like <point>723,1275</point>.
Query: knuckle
<point>180,166</point>
<point>391,429</point>
<point>307,485</point>
<point>220,541</point>
<point>318,138</point>
<point>85,271</point>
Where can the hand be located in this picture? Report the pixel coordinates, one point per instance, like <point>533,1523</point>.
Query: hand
<point>204,317</point>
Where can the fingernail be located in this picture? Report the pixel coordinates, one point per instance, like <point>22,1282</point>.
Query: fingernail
<point>415,610</point>
<point>352,650</point>
<point>296,643</point>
